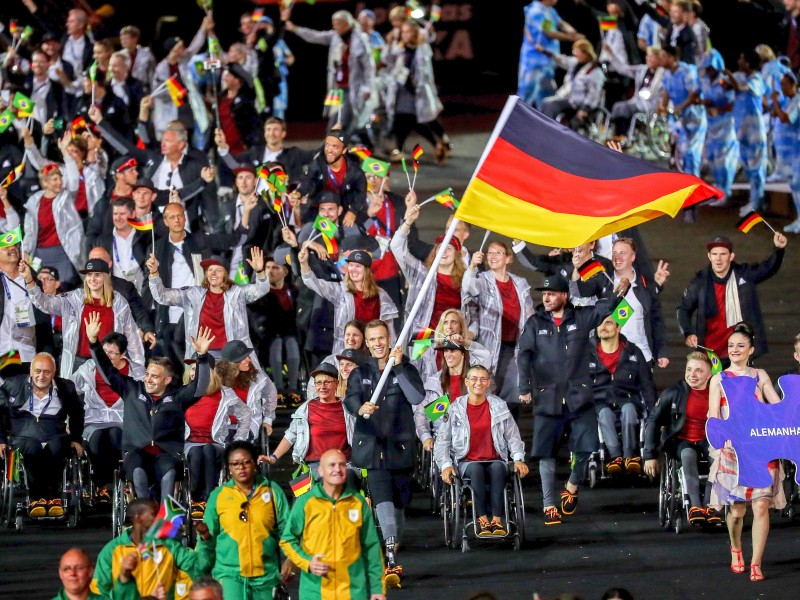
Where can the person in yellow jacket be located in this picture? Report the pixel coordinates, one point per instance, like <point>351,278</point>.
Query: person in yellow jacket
<point>245,516</point>
<point>331,536</point>
<point>168,564</point>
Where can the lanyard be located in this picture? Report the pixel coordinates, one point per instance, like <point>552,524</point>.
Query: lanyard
<point>46,406</point>
<point>334,182</point>
<point>8,291</point>
<point>388,206</point>
<point>116,254</point>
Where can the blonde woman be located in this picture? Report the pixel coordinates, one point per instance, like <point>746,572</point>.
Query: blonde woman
<point>357,297</point>
<point>207,423</point>
<point>74,307</point>
<point>452,326</point>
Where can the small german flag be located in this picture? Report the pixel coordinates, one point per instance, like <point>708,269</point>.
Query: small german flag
<point>302,484</point>
<point>143,224</point>
<point>446,198</point>
<point>749,221</point>
<point>331,245</point>
<point>424,334</point>
<point>361,151</point>
<point>176,91</point>
<point>608,22</point>
<point>417,152</point>
<point>590,269</point>
<point>11,357</point>
<point>78,123</point>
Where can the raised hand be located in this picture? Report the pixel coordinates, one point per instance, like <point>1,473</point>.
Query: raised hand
<point>662,273</point>
<point>92,325</point>
<point>256,260</point>
<point>203,340</point>
<point>152,264</point>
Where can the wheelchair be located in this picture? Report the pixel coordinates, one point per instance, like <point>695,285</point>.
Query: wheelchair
<point>16,493</point>
<point>123,494</point>
<point>460,519</point>
<point>596,467</point>
<point>790,489</point>
<point>673,501</point>
<point>427,476</point>
<point>649,137</point>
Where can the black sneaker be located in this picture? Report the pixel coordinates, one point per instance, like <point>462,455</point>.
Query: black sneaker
<point>633,466</point>
<point>569,501</point>
<point>713,517</point>
<point>552,516</point>
<point>615,466</point>
<point>697,515</point>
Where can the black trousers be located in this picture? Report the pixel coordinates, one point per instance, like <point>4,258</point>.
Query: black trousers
<point>44,464</point>
<point>105,449</point>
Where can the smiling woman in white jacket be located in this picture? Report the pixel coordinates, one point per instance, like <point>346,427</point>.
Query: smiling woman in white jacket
<point>478,437</point>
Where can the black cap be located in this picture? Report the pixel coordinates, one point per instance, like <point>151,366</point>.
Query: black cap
<point>351,354</point>
<point>720,242</point>
<point>359,242</point>
<point>170,43</point>
<point>328,197</point>
<point>554,283</point>
<point>52,271</point>
<point>337,133</point>
<point>360,257</point>
<point>235,351</point>
<point>325,369</point>
<point>49,36</point>
<point>144,182</point>
<point>95,265</point>
<point>123,163</point>
<point>449,345</point>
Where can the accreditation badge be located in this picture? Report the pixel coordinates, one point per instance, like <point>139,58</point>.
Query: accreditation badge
<point>22,315</point>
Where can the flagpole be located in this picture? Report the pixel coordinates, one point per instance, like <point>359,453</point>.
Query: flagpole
<point>401,338</point>
<point>768,225</point>
<point>414,182</point>
<point>485,237</point>
<point>153,231</point>
<point>427,201</point>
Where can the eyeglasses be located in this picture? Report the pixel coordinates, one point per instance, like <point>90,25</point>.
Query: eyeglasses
<point>240,464</point>
<point>478,379</point>
<point>80,568</point>
<point>324,383</point>
<point>243,515</point>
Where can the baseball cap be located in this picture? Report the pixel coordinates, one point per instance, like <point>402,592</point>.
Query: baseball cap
<point>554,283</point>
<point>448,345</point>
<point>213,261</point>
<point>326,369</point>
<point>719,242</point>
<point>351,354</point>
<point>235,351</point>
<point>52,271</point>
<point>336,133</point>
<point>360,257</point>
<point>143,182</point>
<point>95,265</point>
<point>123,163</point>
<point>328,197</point>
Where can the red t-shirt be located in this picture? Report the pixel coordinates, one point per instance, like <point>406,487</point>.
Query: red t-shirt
<point>511,310</point>
<point>242,394</point>
<point>228,125</point>
<point>326,428</point>
<point>717,331</point>
<point>694,428</point>
<point>200,418</point>
<point>481,446</point>
<point>106,326</point>
<point>557,321</point>
<point>385,267</point>
<point>212,315</point>
<point>109,396</point>
<point>284,297</point>
<point>81,201</point>
<point>611,361</point>
<point>48,236</point>
<point>455,386</point>
<point>335,180</point>
<point>447,296</point>
<point>367,310</point>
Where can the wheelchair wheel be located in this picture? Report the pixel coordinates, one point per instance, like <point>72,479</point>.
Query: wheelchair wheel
<point>435,487</point>
<point>119,503</point>
<point>519,512</point>
<point>663,494</point>
<point>679,518</point>
<point>593,476</point>
<point>71,491</point>
<point>660,137</point>
<point>447,507</point>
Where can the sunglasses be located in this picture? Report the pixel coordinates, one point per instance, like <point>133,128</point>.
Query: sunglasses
<point>243,515</point>
<point>47,169</point>
<point>130,164</point>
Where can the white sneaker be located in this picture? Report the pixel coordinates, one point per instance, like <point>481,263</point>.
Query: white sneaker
<point>719,203</point>
<point>747,208</point>
<point>793,227</point>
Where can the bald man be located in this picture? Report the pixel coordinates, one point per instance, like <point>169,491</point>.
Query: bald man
<point>34,412</point>
<point>352,570</point>
<point>142,316</point>
<point>76,570</point>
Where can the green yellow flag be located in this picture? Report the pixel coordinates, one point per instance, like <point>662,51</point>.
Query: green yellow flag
<point>93,72</point>
<point>419,347</point>
<point>375,167</point>
<point>11,238</point>
<point>325,226</point>
<point>240,277</point>
<point>23,104</point>
<point>716,363</point>
<point>622,313</point>
<point>438,408</point>
<point>6,119</point>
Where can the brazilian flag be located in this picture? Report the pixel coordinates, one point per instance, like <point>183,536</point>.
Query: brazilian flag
<point>6,119</point>
<point>11,238</point>
<point>371,166</point>
<point>622,313</point>
<point>22,103</point>
<point>716,363</point>
<point>438,408</point>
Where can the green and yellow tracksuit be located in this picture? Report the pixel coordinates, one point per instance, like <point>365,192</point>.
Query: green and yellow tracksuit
<point>243,552</point>
<point>343,531</point>
<point>62,595</point>
<point>170,563</point>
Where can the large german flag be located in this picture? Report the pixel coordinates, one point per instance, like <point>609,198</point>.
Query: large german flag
<point>540,182</point>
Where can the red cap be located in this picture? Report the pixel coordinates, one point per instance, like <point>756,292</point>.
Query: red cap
<point>210,262</point>
<point>454,242</point>
<point>244,169</point>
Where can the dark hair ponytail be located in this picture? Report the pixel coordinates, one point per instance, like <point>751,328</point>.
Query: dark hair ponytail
<point>744,329</point>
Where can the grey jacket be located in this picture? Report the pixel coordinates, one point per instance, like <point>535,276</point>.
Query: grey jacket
<point>299,434</point>
<point>70,307</point>
<point>362,66</point>
<point>426,98</point>
<point>191,300</point>
<point>344,307</point>
<point>453,437</point>
<point>95,410</point>
<point>482,289</point>
<point>262,398</point>
<point>94,174</point>
<point>68,224</point>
